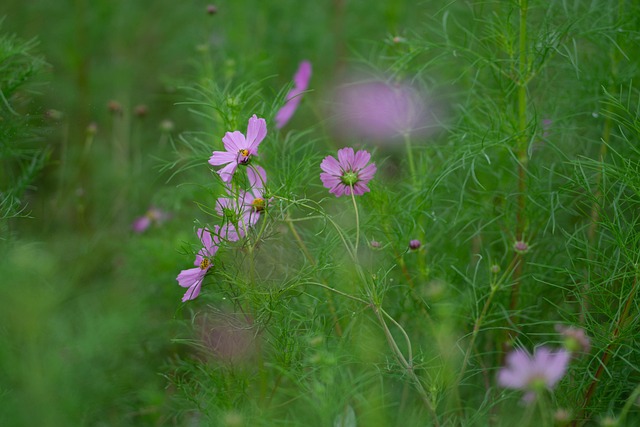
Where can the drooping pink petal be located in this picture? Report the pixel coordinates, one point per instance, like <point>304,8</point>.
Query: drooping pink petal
<point>226,173</point>
<point>257,176</point>
<point>193,291</point>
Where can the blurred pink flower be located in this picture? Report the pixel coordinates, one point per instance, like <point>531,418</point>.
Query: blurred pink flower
<point>239,149</point>
<point>193,277</point>
<point>300,84</point>
<point>533,373</point>
<point>349,171</point>
<point>575,339</point>
<point>152,216</point>
<point>378,110</point>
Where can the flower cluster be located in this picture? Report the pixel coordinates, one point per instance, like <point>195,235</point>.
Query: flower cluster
<point>239,149</point>
<point>193,277</point>
<point>240,209</point>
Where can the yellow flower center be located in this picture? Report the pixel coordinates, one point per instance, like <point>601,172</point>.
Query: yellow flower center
<point>258,204</point>
<point>244,152</point>
<point>205,264</point>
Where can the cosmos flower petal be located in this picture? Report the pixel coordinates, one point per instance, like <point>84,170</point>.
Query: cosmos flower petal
<point>226,173</point>
<point>557,368</point>
<point>186,278</point>
<point>331,166</point>
<point>303,75</point>
<point>234,141</point>
<point>256,132</point>
<point>193,291</point>
<point>222,158</point>
<point>329,180</point>
<point>360,188</point>
<point>292,100</point>
<point>257,176</point>
<point>367,173</point>
<point>346,157</point>
<point>361,159</point>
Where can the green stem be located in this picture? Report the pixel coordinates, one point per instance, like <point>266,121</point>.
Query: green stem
<point>355,208</point>
<point>485,309</point>
<point>522,154</point>
<point>412,166</point>
<point>313,262</point>
<point>347,245</point>
<point>627,406</point>
<point>404,333</point>
<point>344,294</point>
<point>406,364</point>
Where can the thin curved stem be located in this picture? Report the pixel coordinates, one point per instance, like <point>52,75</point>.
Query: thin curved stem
<point>355,208</point>
<point>412,166</point>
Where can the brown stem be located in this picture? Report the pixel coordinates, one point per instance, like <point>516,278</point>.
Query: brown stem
<point>608,352</point>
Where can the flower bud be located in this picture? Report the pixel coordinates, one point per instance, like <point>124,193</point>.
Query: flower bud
<point>415,244</point>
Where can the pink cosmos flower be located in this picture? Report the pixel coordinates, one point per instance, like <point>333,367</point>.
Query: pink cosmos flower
<point>239,149</point>
<point>236,215</point>
<point>300,84</point>
<point>193,277</point>
<point>350,171</point>
<point>153,215</point>
<point>380,111</point>
<point>254,200</point>
<point>532,373</point>
<point>575,339</point>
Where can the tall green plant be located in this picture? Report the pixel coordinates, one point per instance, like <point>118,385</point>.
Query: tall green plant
<point>21,155</point>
